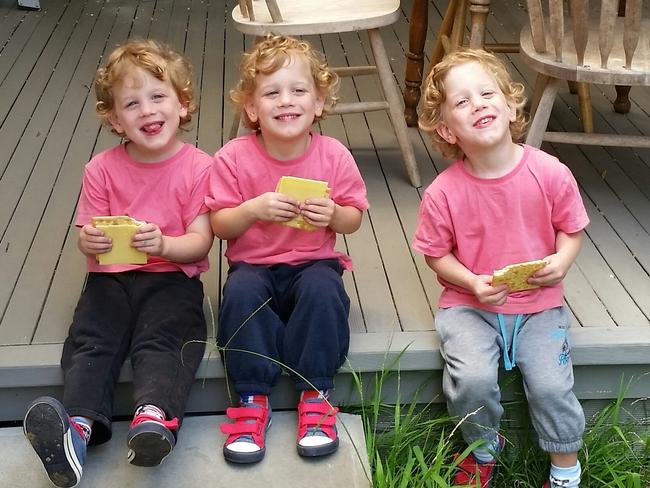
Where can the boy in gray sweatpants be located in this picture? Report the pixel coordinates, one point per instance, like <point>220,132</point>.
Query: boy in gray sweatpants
<point>499,203</point>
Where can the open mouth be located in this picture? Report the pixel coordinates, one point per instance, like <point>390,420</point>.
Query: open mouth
<point>152,129</point>
<point>287,117</point>
<point>482,122</point>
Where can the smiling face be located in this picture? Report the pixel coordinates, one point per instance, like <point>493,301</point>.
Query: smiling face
<point>475,112</point>
<point>147,111</point>
<point>284,104</point>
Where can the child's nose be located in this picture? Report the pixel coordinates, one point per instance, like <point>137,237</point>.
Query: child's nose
<point>146,108</point>
<point>285,97</point>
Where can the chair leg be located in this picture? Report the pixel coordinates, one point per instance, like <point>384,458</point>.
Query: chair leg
<point>622,103</point>
<point>543,112</point>
<point>393,97</point>
<point>586,113</point>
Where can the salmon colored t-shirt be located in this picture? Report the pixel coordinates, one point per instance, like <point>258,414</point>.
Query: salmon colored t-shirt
<point>169,193</point>
<point>490,223</point>
<point>243,170</point>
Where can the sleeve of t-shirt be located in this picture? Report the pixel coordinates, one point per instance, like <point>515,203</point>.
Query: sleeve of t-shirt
<point>433,232</point>
<point>93,200</point>
<point>349,189</point>
<point>569,214</point>
<point>223,186</point>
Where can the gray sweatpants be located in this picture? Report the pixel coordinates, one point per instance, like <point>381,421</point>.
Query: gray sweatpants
<point>472,343</point>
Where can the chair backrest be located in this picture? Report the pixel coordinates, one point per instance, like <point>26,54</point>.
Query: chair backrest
<point>612,29</point>
<point>247,10</point>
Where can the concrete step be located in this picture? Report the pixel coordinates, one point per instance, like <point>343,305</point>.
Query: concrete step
<point>197,460</point>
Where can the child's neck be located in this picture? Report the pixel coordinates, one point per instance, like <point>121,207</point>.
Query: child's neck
<point>285,150</point>
<point>493,162</point>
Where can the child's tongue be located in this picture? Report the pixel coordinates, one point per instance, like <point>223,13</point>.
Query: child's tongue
<point>151,128</point>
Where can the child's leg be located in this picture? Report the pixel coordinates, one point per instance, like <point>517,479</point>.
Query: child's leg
<point>315,345</point>
<point>317,334</point>
<point>253,375</point>
<point>543,356</point>
<point>470,345</point>
<point>241,330</point>
<point>95,349</point>
<point>169,309</point>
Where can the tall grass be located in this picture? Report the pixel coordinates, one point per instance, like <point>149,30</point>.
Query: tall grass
<point>412,444</point>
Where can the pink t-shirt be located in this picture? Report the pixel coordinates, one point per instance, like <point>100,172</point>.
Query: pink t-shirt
<point>243,170</point>
<point>490,223</point>
<point>169,193</point>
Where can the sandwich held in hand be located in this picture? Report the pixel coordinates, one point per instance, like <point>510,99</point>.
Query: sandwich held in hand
<point>516,275</point>
<point>301,189</point>
<point>121,230</point>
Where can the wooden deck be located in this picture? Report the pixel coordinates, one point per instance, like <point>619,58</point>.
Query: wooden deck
<point>48,131</point>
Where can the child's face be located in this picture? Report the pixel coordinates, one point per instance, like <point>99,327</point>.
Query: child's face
<point>285,102</point>
<point>148,112</point>
<point>475,113</point>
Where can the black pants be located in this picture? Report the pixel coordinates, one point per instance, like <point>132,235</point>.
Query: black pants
<point>149,316</point>
<point>304,326</point>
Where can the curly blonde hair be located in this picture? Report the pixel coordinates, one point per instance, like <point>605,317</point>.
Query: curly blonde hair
<point>273,53</point>
<point>435,95</point>
<point>156,58</point>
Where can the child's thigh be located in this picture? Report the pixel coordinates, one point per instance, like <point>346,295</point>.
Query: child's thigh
<point>468,339</point>
<point>248,282</point>
<point>543,351</point>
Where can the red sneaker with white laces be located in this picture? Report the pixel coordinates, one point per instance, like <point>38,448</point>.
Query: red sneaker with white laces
<point>246,441</point>
<point>317,435</point>
<point>150,438</point>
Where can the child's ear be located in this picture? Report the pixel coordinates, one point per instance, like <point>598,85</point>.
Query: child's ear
<point>513,112</point>
<point>115,123</point>
<point>320,105</point>
<point>249,106</point>
<point>445,132</point>
<point>183,110</point>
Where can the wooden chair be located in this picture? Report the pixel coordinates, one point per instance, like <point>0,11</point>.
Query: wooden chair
<point>588,49</point>
<point>306,17</point>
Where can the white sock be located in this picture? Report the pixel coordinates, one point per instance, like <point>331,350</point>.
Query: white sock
<point>85,425</point>
<point>485,453</point>
<point>151,410</point>
<point>565,477</point>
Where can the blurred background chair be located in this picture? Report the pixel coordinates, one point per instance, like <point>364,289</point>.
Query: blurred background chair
<point>307,17</point>
<point>589,46</point>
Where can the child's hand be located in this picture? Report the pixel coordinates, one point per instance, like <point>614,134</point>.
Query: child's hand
<point>149,238</point>
<point>93,241</point>
<point>274,207</point>
<point>488,294</point>
<point>318,211</point>
<point>553,273</point>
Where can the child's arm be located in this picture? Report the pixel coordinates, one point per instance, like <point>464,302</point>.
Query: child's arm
<point>453,271</point>
<point>567,248</point>
<point>188,248</point>
<point>323,212</point>
<point>230,223</point>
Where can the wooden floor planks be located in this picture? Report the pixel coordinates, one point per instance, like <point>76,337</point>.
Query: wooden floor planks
<point>48,130</point>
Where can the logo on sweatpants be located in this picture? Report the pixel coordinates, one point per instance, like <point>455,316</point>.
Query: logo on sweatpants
<point>565,354</point>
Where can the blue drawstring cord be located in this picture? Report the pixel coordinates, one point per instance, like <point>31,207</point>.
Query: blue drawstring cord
<point>507,363</point>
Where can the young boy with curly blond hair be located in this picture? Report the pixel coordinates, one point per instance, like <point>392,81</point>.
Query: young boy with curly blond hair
<point>499,203</point>
<point>148,311</point>
<point>285,87</point>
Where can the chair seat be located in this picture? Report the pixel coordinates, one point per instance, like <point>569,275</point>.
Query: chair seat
<point>591,72</point>
<point>319,17</point>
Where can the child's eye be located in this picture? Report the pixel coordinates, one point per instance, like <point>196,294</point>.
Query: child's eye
<point>488,93</point>
<point>461,102</point>
<point>130,104</point>
<point>158,96</point>
<point>270,93</point>
<point>300,90</point>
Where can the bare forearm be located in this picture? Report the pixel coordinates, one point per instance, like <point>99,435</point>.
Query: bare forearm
<point>568,246</point>
<point>452,270</point>
<point>187,248</point>
<point>346,220</point>
<point>229,223</point>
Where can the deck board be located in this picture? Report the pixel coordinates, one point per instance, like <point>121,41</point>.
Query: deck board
<point>49,130</point>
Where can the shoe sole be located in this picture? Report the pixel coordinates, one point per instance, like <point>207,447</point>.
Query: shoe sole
<point>47,429</point>
<point>317,451</point>
<point>149,444</point>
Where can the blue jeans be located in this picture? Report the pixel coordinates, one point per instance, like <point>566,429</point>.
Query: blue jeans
<point>304,326</point>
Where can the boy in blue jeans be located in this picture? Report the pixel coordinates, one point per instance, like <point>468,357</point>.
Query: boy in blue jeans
<point>499,203</point>
<point>285,87</point>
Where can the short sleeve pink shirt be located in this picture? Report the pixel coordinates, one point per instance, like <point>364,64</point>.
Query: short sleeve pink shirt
<point>169,193</point>
<point>490,223</point>
<point>243,170</point>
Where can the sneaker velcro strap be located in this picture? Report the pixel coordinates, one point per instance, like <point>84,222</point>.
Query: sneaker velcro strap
<point>318,415</point>
<point>322,408</point>
<point>246,413</point>
<point>143,417</point>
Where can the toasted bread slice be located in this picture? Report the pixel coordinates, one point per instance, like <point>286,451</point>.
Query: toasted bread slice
<point>516,275</point>
<point>121,229</point>
<point>301,189</point>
